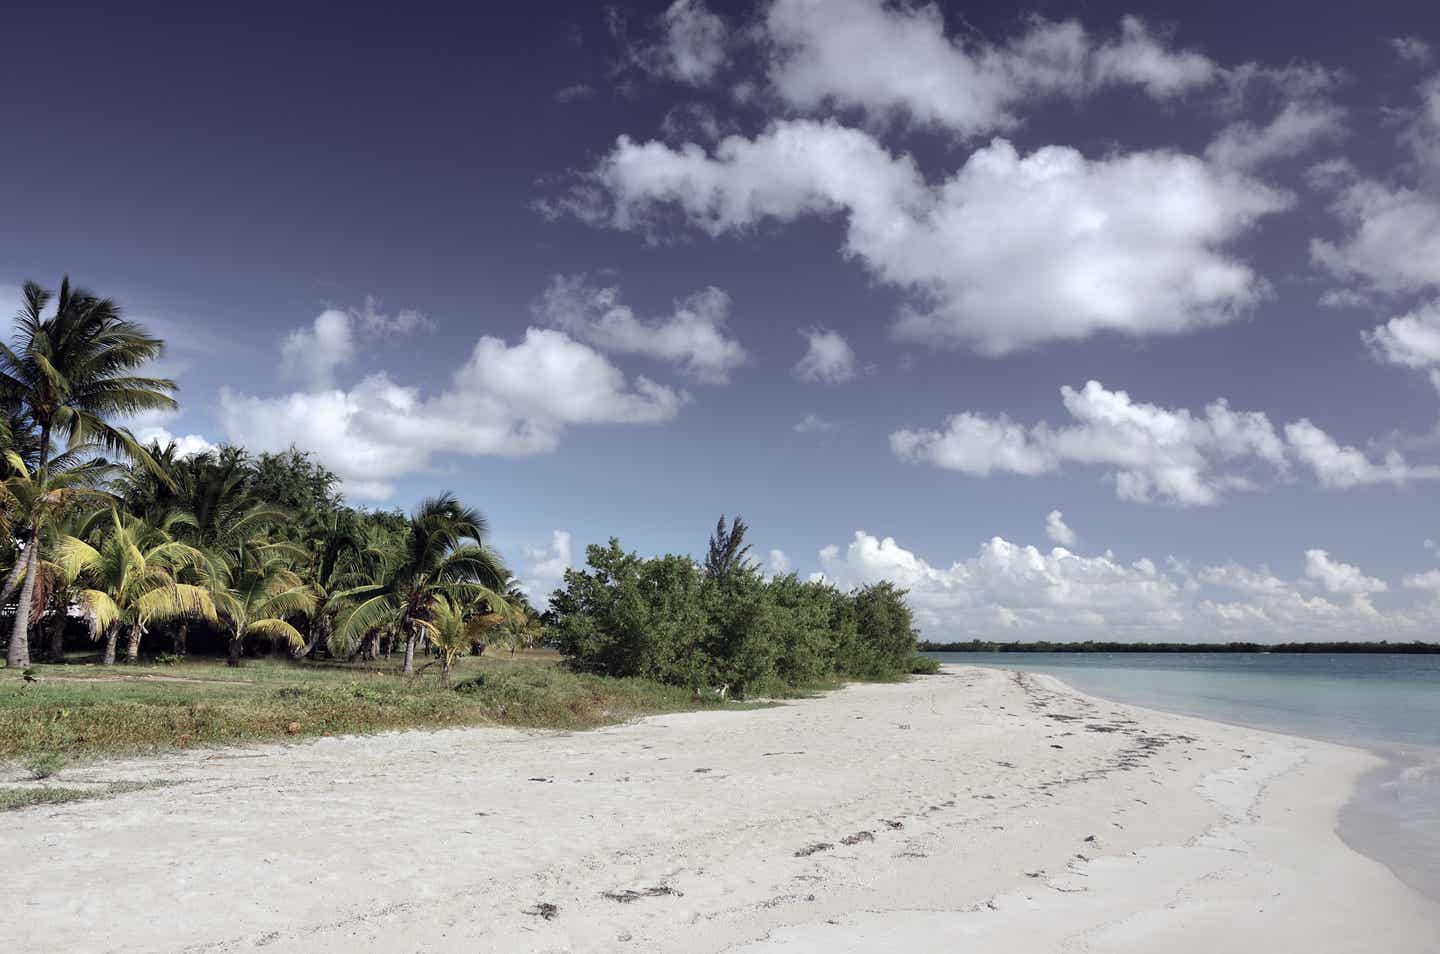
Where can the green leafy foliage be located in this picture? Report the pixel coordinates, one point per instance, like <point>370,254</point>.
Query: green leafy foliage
<point>667,619</point>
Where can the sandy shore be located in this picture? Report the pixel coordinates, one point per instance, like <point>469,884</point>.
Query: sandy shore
<point>977,810</point>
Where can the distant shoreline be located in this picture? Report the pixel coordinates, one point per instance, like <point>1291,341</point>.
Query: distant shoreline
<point>1380,648</point>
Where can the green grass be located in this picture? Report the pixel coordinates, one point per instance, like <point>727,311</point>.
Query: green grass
<point>92,710</point>
<point>12,799</point>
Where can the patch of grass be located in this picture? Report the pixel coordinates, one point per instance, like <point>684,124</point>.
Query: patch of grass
<point>12,798</point>
<point>45,764</point>
<point>92,710</point>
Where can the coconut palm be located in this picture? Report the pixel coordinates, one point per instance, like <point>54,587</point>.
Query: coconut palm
<point>127,579</point>
<point>442,556</point>
<point>453,631</point>
<point>336,556</point>
<point>255,593</point>
<point>38,500</point>
<point>67,375</point>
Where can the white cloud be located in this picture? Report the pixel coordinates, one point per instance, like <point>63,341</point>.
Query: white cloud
<point>1392,243</point>
<point>779,563</point>
<point>828,357</point>
<point>548,564</point>
<point>814,424</point>
<point>1010,251</point>
<point>1058,530</point>
<point>1341,466</point>
<point>156,426</point>
<point>1429,580</point>
<point>1411,340</point>
<point>1153,453</point>
<point>693,336</point>
<point>896,60</point>
<point>507,400</point>
<point>1339,577</point>
<point>694,46</point>
<point>312,355</point>
<point>1009,591</point>
<point>1412,49</point>
<point>1297,128</point>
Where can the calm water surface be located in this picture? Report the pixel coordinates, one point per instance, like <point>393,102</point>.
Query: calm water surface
<point>1388,703</point>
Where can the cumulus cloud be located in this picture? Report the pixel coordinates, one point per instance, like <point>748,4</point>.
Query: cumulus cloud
<point>313,354</point>
<point>508,400</point>
<point>1152,452</point>
<point>692,336</point>
<point>1058,530</point>
<point>548,564</point>
<point>828,357</point>
<point>1341,467</point>
<point>1392,240</point>
<point>779,563</point>
<point>1411,340</point>
<point>1340,577</point>
<point>898,61</point>
<point>687,43</point>
<point>1006,591</point>
<point>1011,250</point>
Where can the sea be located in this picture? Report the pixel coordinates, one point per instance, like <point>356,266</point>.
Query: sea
<point>1388,703</point>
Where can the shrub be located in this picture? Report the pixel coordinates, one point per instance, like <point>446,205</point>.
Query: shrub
<point>666,619</point>
<point>45,764</point>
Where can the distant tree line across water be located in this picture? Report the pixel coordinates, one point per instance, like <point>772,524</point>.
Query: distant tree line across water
<point>1089,646</point>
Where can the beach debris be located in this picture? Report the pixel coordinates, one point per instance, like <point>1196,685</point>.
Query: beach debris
<point>857,838</point>
<point>768,754</point>
<point>703,770</point>
<point>1090,838</point>
<point>544,910</point>
<point>628,895</point>
<point>1006,764</point>
<point>1056,745</point>
<point>893,824</point>
<point>809,850</point>
<point>293,728</point>
<point>539,778</point>
<point>1035,874</point>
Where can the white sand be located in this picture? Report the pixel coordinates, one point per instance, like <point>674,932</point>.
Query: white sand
<point>975,796</point>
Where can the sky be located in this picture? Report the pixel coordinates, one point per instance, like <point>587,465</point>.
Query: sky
<point>1081,321</point>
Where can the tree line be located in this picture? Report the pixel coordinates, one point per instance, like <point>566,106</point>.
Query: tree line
<point>151,547</point>
<point>140,549</point>
<point>722,624</point>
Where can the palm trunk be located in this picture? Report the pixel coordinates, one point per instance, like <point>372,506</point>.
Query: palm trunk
<point>19,655</point>
<point>445,668</point>
<point>409,652</point>
<point>132,647</point>
<point>237,644</point>
<point>12,582</point>
<point>182,633</point>
<point>319,629</point>
<point>111,635</point>
<point>57,637</point>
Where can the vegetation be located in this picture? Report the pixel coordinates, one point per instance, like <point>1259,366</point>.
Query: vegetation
<point>225,553</point>
<point>981,646</point>
<point>723,626</point>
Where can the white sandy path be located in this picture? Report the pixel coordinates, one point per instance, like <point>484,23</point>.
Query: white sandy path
<point>1206,837</point>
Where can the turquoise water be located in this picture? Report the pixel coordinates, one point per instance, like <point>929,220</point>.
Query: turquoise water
<point>1388,703</point>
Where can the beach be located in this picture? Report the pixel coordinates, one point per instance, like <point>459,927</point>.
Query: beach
<point>976,810</point>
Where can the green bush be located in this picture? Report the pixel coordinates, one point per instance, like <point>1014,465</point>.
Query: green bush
<point>666,619</point>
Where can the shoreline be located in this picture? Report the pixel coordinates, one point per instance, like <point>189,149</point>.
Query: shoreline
<point>998,808</point>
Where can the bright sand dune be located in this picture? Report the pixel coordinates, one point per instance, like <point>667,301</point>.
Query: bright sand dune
<point>972,811</point>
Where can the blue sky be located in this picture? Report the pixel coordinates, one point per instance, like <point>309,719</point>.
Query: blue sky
<point>843,266</point>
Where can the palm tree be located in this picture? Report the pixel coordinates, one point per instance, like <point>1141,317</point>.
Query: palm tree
<point>256,591</point>
<point>453,631</point>
<point>443,557</point>
<point>128,579</point>
<point>66,374</point>
<point>39,499</point>
<point>335,550</point>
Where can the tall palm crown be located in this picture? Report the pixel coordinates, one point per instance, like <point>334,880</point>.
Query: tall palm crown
<point>257,592</point>
<point>443,556</point>
<point>73,370</point>
<point>64,377</point>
